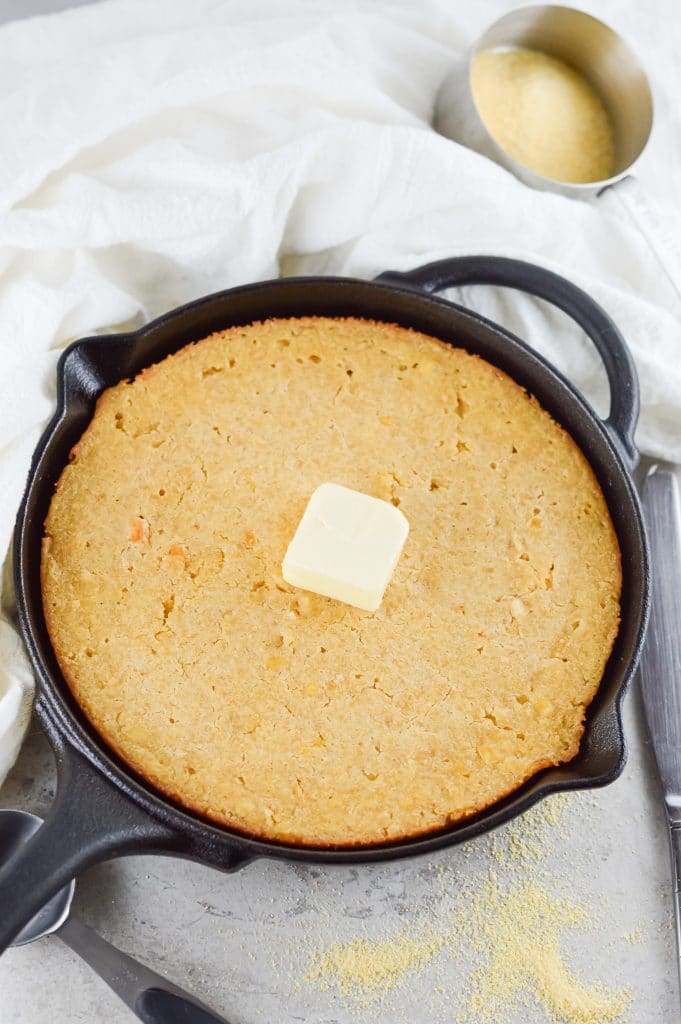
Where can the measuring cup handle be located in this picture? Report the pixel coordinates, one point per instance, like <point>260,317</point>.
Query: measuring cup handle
<point>654,229</point>
<point>88,822</point>
<point>592,318</point>
<point>153,998</point>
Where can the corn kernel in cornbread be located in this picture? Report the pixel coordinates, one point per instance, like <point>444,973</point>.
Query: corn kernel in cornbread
<point>287,714</point>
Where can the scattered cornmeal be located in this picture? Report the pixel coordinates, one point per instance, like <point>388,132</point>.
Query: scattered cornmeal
<point>635,936</point>
<point>544,113</point>
<point>517,931</point>
<point>512,932</point>
<point>523,842</point>
<point>364,969</point>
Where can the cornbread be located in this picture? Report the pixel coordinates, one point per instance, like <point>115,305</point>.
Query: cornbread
<point>544,113</point>
<point>287,714</point>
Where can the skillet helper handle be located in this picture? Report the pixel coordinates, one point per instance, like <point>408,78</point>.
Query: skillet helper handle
<point>89,821</point>
<point>534,280</point>
<point>148,994</point>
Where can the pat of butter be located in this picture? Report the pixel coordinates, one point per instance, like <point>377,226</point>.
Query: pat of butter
<point>346,546</point>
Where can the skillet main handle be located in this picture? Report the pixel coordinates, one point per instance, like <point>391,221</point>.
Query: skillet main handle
<point>592,318</point>
<point>88,822</point>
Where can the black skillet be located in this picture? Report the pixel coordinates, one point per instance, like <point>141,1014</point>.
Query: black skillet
<point>102,809</point>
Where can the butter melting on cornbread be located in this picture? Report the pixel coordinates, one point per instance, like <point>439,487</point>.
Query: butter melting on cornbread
<point>346,546</point>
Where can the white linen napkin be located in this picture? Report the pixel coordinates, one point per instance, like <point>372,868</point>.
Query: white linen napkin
<point>153,153</point>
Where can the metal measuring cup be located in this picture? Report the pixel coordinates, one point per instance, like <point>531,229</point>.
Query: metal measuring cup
<point>611,67</point>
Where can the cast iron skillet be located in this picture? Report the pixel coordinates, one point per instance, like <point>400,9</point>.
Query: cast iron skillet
<point>102,809</point>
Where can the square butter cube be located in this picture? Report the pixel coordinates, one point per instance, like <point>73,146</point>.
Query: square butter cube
<point>346,546</point>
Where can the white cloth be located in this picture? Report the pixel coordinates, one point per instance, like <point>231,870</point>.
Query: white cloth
<point>153,153</point>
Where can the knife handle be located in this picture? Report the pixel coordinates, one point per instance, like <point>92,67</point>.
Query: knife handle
<point>675,847</point>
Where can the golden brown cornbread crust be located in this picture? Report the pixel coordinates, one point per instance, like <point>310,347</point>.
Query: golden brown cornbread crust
<point>290,715</point>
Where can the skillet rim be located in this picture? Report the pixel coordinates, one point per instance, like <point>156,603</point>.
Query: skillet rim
<point>66,725</point>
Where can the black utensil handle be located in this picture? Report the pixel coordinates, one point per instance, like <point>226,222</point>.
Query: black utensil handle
<point>152,997</point>
<point>592,318</point>
<point>157,1006</point>
<point>89,821</point>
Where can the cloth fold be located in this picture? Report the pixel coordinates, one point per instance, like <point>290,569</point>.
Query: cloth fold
<point>149,157</point>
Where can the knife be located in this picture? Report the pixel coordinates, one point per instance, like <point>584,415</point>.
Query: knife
<point>660,668</point>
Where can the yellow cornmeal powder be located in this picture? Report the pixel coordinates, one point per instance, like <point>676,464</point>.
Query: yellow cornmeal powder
<point>524,840</point>
<point>514,932</point>
<point>544,113</point>
<point>517,932</point>
<point>364,969</point>
<point>566,998</point>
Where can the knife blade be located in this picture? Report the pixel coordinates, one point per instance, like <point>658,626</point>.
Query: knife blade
<point>660,668</point>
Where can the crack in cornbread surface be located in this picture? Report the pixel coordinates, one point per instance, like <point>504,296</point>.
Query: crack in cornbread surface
<point>291,715</point>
